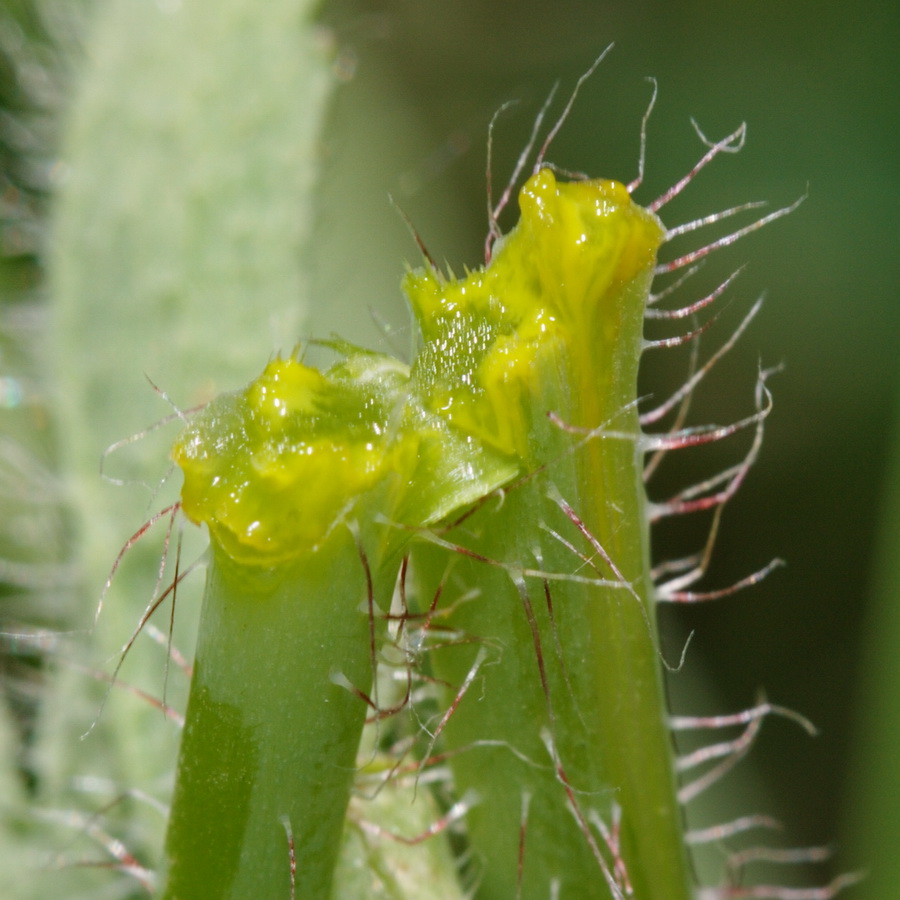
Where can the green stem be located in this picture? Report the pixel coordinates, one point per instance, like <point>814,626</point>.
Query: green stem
<point>271,739</point>
<point>564,718</point>
<point>587,677</point>
<point>620,649</point>
<point>282,472</point>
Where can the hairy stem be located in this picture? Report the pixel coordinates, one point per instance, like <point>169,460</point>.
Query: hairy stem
<point>561,733</point>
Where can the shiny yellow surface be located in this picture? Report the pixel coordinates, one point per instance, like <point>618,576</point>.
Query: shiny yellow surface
<point>576,247</point>
<point>272,468</point>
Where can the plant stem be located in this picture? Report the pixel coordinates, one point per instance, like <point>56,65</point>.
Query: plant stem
<point>564,721</point>
<point>270,738</point>
<point>282,473</point>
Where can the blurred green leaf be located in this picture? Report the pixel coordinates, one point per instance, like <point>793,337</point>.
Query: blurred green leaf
<point>872,831</point>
